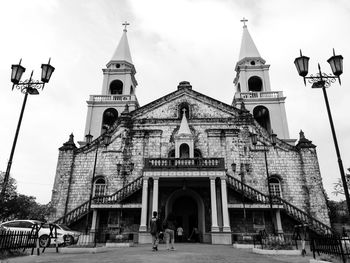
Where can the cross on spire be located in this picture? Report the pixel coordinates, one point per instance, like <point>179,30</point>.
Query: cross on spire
<point>244,20</point>
<point>125,24</point>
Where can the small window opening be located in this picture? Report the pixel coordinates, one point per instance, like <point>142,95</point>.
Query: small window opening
<point>116,87</point>
<point>184,151</point>
<point>255,84</point>
<point>262,116</point>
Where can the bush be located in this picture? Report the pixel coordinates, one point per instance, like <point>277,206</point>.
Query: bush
<point>277,243</point>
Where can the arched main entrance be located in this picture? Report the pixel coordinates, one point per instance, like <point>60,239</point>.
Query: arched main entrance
<point>186,212</point>
<point>188,207</point>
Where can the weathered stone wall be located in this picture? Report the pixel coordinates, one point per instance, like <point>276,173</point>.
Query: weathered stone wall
<point>219,131</point>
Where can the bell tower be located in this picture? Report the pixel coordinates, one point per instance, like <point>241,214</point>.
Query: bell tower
<point>118,90</point>
<point>252,86</point>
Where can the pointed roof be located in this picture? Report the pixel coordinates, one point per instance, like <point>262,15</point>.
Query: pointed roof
<point>184,128</point>
<point>248,48</point>
<point>122,53</point>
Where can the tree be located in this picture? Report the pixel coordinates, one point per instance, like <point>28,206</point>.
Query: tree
<point>10,194</point>
<point>338,186</point>
<point>19,206</point>
<point>338,212</point>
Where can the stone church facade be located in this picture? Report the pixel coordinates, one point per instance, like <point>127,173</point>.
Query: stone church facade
<point>191,155</point>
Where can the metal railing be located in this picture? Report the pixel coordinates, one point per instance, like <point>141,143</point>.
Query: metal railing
<point>10,240</point>
<point>248,191</point>
<point>121,194</point>
<point>14,240</point>
<point>83,209</point>
<point>74,214</point>
<point>331,245</point>
<point>184,163</point>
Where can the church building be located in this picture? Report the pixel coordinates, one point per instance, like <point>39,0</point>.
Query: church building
<point>227,170</point>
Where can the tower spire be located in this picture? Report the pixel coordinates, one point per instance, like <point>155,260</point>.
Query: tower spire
<point>122,53</point>
<point>248,48</point>
<point>118,88</point>
<point>184,128</point>
<point>253,90</point>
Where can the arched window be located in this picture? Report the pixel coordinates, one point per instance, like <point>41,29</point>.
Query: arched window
<point>184,106</point>
<point>275,187</point>
<point>254,84</point>
<point>116,87</point>
<point>262,116</point>
<point>100,186</point>
<point>109,117</point>
<point>184,151</point>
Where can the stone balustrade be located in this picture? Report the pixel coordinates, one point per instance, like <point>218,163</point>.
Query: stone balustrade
<point>101,98</point>
<point>184,163</point>
<point>259,95</point>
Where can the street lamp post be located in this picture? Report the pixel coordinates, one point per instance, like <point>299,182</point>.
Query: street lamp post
<point>106,139</point>
<point>323,80</point>
<point>31,87</point>
<point>254,139</point>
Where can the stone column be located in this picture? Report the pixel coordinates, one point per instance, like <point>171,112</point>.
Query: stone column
<point>94,220</point>
<point>143,223</point>
<point>155,194</point>
<point>91,237</point>
<point>278,222</point>
<point>226,221</point>
<point>214,213</point>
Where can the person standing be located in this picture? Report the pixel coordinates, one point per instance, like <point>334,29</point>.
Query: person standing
<point>194,235</point>
<point>180,232</point>
<point>169,230</point>
<point>155,229</point>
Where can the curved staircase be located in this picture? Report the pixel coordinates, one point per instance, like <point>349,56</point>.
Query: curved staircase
<point>293,211</point>
<point>120,195</point>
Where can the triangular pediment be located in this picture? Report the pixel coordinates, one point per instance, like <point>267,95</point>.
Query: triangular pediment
<point>201,107</point>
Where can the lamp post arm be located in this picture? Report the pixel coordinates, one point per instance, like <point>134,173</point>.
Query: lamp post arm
<point>340,163</point>
<point>9,164</point>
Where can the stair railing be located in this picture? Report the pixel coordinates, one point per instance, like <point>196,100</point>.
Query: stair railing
<point>290,209</point>
<point>121,194</point>
<point>116,197</point>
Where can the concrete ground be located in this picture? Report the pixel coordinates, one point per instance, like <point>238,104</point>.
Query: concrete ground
<point>192,253</point>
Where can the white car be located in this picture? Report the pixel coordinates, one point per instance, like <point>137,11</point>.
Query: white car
<point>65,236</point>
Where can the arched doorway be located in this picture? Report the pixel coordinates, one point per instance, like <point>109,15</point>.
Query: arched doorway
<point>188,207</point>
<point>186,212</point>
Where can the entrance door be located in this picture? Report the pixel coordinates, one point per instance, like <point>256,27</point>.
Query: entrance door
<point>186,212</point>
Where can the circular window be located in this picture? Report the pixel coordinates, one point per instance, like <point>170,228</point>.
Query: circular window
<point>117,65</point>
<point>252,63</point>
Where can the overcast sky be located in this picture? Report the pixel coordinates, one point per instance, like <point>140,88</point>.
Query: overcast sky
<point>170,41</point>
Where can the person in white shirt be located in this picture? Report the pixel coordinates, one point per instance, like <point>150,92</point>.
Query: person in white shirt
<point>179,232</point>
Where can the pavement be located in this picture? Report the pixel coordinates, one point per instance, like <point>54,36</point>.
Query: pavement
<point>191,253</point>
